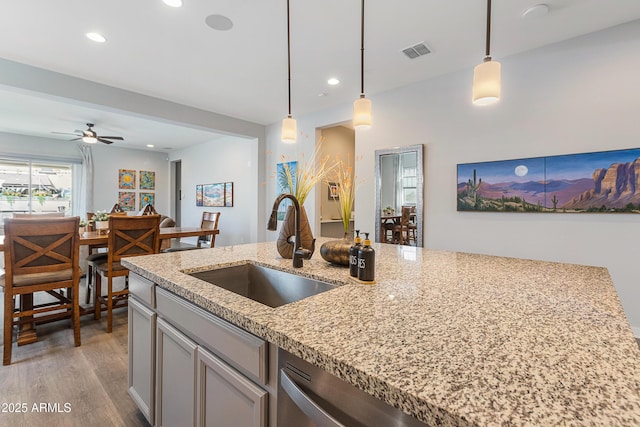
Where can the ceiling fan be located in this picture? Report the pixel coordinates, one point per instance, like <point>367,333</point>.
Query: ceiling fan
<point>90,136</point>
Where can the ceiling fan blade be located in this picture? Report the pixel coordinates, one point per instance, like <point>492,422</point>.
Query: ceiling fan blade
<point>119,138</point>
<point>65,133</point>
<point>106,141</point>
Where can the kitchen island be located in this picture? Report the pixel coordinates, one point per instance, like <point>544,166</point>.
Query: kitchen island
<point>454,339</point>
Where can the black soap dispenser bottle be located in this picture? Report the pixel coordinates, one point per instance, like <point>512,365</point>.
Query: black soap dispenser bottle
<point>353,255</point>
<point>366,261</point>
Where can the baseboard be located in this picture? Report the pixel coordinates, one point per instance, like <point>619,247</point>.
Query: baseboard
<point>636,331</point>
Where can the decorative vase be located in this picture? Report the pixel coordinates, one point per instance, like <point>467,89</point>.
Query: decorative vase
<point>285,241</point>
<point>81,230</point>
<point>337,251</point>
<point>102,227</point>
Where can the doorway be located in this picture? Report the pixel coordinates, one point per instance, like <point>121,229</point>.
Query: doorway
<point>176,191</point>
<point>338,144</point>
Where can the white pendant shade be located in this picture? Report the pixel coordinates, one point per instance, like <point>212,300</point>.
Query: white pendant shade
<point>289,130</point>
<point>362,113</point>
<point>486,83</point>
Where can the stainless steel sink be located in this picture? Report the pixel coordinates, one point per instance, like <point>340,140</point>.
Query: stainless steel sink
<point>264,285</point>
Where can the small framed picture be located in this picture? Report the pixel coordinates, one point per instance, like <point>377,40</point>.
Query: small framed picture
<point>333,191</point>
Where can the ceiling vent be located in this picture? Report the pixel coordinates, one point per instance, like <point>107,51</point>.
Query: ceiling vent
<point>415,51</point>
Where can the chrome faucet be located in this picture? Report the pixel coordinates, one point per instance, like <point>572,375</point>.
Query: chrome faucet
<point>299,252</point>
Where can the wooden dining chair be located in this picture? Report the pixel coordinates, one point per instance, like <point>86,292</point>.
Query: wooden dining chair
<point>401,230</point>
<point>128,236</point>
<point>40,256</point>
<point>209,221</point>
<point>96,256</point>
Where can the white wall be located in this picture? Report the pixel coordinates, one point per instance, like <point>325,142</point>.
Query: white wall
<point>224,160</point>
<point>573,97</point>
<point>109,159</point>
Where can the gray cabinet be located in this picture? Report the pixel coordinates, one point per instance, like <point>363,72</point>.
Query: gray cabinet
<point>175,377</point>
<point>225,398</point>
<point>188,367</point>
<point>142,333</point>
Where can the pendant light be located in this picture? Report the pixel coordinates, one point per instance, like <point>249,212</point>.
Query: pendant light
<point>289,128</point>
<point>486,76</point>
<point>362,106</point>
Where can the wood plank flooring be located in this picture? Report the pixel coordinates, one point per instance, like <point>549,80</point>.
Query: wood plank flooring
<point>83,386</point>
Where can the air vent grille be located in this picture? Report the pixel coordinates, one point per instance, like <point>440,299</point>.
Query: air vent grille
<point>416,51</point>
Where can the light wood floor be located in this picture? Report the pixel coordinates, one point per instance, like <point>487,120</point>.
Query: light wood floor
<point>90,379</point>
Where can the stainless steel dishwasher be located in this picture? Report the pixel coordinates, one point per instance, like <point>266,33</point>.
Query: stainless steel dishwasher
<point>311,397</point>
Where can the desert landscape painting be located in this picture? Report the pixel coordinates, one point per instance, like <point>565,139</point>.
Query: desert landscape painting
<point>605,182</point>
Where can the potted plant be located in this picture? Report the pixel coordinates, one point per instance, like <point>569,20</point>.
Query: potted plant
<point>337,251</point>
<point>101,221</point>
<point>82,226</point>
<point>388,210</point>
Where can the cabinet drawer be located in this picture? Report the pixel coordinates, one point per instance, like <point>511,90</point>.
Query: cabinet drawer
<point>143,289</point>
<point>240,349</point>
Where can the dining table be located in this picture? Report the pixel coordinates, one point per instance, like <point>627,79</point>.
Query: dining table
<point>95,239</point>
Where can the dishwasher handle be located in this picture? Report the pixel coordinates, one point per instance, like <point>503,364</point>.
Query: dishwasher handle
<point>306,404</point>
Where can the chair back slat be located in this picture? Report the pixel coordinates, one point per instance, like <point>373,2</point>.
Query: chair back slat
<point>39,215</point>
<point>133,236</point>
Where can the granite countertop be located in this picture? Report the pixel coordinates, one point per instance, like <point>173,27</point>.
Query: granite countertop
<point>455,339</point>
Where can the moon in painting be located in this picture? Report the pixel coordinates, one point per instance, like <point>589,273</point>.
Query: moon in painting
<point>521,170</point>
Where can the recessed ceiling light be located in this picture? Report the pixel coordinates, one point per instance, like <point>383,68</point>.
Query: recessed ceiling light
<point>173,3</point>
<point>150,145</point>
<point>333,81</point>
<point>96,37</point>
<point>219,22</point>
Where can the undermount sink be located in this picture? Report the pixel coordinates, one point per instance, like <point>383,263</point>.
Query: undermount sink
<point>264,285</point>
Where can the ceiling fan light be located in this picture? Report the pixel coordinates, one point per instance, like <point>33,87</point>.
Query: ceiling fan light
<point>173,3</point>
<point>486,83</point>
<point>89,139</point>
<point>289,130</point>
<point>362,113</point>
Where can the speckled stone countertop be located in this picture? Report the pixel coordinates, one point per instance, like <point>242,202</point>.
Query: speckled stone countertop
<point>455,339</point>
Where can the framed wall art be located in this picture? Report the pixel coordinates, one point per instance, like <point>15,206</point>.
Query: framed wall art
<point>147,180</point>
<point>603,182</point>
<point>283,171</point>
<point>216,195</point>
<point>147,199</point>
<point>199,195</point>
<point>228,194</point>
<point>127,200</point>
<point>127,179</point>
<point>333,191</point>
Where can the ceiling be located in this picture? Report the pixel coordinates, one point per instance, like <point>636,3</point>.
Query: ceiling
<point>170,53</point>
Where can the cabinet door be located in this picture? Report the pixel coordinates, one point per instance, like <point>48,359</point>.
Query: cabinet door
<point>142,352</point>
<point>175,377</point>
<point>225,397</point>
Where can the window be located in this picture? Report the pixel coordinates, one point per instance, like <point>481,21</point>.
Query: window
<point>409,183</point>
<point>34,187</point>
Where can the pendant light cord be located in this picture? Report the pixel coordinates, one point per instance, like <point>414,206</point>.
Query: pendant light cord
<point>488,43</point>
<point>289,57</point>
<point>362,52</point>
